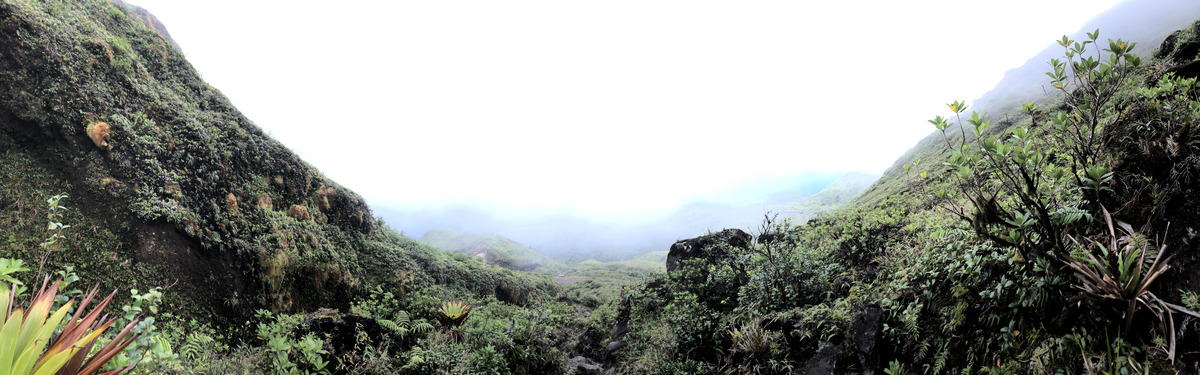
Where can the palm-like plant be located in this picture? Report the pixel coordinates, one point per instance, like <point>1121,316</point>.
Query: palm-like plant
<point>1124,270</point>
<point>30,345</point>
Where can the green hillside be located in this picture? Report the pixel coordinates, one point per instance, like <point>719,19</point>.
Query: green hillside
<point>839,192</point>
<point>493,249</point>
<point>169,188</point>
<point>1053,235</point>
<point>1059,237</point>
<point>1155,21</point>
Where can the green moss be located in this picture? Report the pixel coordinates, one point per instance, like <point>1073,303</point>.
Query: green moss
<point>153,208</point>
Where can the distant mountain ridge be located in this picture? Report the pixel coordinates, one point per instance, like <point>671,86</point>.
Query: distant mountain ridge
<point>491,248</point>
<point>567,235</point>
<point>838,193</point>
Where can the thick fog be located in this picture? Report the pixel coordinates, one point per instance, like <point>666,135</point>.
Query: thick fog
<point>575,235</point>
<point>614,126</point>
<point>1124,21</point>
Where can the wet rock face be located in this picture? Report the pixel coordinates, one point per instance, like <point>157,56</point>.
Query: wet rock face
<point>1186,51</point>
<point>342,330</point>
<point>825,361</point>
<point>706,247</point>
<point>867,328</point>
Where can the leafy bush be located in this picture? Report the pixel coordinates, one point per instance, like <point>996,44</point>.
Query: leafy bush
<point>289,355</point>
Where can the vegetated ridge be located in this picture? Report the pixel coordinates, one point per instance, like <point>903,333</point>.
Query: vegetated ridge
<point>491,248</point>
<point>1056,235</point>
<point>170,185</point>
<point>839,192</point>
<point>1146,21</point>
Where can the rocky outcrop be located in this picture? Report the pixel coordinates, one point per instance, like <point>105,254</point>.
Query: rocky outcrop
<point>867,328</point>
<point>580,365</point>
<point>825,361</point>
<point>343,331</point>
<point>709,247</point>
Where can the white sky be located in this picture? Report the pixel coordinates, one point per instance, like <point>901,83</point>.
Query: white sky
<point>601,106</point>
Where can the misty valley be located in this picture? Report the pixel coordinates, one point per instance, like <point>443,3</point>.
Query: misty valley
<point>148,226</point>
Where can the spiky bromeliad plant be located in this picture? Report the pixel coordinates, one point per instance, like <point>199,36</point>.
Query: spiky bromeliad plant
<point>1123,271</point>
<point>31,343</point>
<point>453,314</point>
<point>753,345</point>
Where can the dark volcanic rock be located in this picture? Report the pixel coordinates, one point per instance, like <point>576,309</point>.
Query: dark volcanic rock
<point>866,328</point>
<point>342,330</point>
<point>1167,46</point>
<point>1186,52</point>
<point>618,335</point>
<point>825,361</point>
<point>580,365</point>
<point>708,247</point>
<point>1189,70</point>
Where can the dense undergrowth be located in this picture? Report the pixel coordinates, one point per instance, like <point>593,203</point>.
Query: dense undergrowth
<point>1062,242</point>
<point>1059,240</point>
<point>170,191</point>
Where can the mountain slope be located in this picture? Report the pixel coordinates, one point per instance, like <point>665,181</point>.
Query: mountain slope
<point>170,185</point>
<point>493,248</point>
<point>1126,20</point>
<point>839,192</point>
<point>1061,241</point>
<point>1146,22</point>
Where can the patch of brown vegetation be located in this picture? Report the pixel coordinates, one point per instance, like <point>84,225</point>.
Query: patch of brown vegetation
<point>174,189</point>
<point>299,212</point>
<point>104,46</point>
<point>323,195</point>
<point>264,202</point>
<point>98,132</point>
<point>231,203</point>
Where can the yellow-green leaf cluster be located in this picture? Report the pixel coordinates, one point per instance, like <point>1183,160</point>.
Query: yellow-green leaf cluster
<point>29,343</point>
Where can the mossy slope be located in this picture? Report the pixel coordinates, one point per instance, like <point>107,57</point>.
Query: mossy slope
<point>184,188</point>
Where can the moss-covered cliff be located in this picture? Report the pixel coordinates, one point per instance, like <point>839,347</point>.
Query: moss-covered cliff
<point>170,185</point>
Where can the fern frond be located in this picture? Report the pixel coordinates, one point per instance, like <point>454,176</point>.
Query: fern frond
<point>402,318</point>
<point>397,329</point>
<point>939,363</point>
<point>422,327</point>
<point>195,346</point>
<point>1066,216</point>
